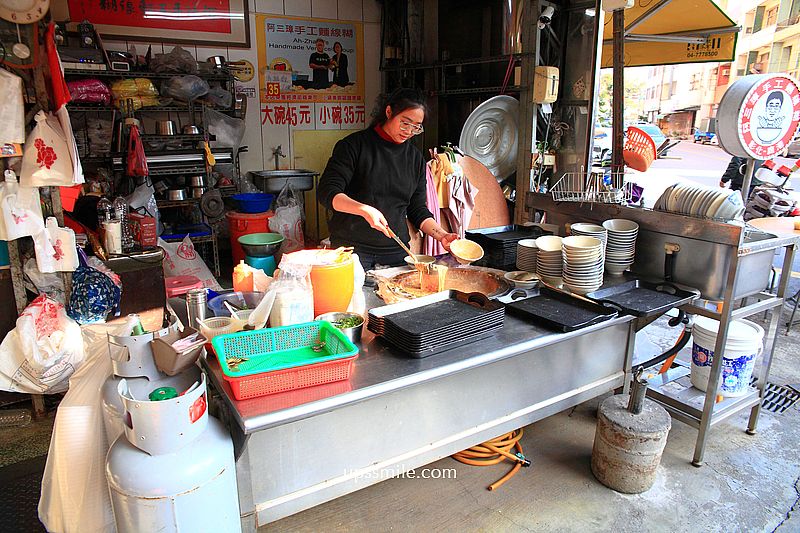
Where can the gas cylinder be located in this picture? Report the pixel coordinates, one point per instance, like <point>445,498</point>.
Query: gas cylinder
<point>173,470</point>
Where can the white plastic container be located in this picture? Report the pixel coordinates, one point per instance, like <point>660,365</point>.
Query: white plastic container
<point>744,344</point>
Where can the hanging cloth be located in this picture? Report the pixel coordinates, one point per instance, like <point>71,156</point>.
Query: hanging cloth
<point>461,202</point>
<point>441,168</point>
<point>431,246</point>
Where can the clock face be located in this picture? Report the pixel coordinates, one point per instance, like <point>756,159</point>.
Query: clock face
<point>23,11</point>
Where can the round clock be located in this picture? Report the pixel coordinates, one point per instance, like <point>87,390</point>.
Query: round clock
<point>23,11</point>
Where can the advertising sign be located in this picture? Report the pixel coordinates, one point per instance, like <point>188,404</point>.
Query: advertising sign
<point>759,115</point>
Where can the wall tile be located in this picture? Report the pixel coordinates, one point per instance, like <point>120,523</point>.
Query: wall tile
<point>273,7</point>
<point>372,10</point>
<point>275,136</point>
<point>372,80</point>
<point>324,9</point>
<point>297,8</point>
<point>350,10</point>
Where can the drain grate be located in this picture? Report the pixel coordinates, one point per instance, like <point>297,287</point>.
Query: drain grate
<point>777,398</point>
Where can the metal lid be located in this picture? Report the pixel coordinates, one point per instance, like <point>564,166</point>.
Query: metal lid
<point>490,135</point>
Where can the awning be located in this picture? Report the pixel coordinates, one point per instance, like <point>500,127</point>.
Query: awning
<point>668,32</point>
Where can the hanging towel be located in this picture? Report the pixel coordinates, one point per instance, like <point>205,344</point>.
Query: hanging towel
<point>462,202</point>
<point>431,246</point>
<point>441,167</point>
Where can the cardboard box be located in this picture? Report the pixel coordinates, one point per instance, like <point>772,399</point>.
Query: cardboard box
<point>144,229</point>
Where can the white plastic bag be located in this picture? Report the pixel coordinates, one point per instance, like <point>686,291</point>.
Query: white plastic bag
<point>12,109</point>
<point>46,161</point>
<point>288,220</point>
<point>74,495</point>
<point>181,259</point>
<point>55,248</point>
<point>40,354</point>
<point>20,209</point>
<point>50,284</point>
<point>358,303</point>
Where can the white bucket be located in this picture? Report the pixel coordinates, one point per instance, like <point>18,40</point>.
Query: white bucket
<point>743,345</point>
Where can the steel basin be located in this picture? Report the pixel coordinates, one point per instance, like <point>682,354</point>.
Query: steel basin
<point>272,181</point>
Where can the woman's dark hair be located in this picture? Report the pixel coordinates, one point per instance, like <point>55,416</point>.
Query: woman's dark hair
<point>398,100</point>
<point>340,47</point>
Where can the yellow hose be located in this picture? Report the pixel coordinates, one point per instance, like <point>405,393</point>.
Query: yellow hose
<point>495,451</point>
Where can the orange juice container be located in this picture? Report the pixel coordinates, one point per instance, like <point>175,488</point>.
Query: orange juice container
<point>243,277</point>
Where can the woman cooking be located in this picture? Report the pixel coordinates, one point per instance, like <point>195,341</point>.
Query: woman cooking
<point>375,179</point>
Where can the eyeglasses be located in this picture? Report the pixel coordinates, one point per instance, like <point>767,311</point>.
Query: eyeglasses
<point>416,129</point>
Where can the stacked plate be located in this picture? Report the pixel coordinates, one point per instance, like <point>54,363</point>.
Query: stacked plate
<point>549,263</point>
<point>583,263</point>
<point>621,246</point>
<point>438,325</point>
<point>701,201</point>
<point>526,255</point>
<point>590,230</point>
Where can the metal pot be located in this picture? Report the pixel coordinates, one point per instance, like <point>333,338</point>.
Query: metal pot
<point>176,194</point>
<point>190,129</point>
<point>197,192</point>
<point>165,127</point>
<point>197,181</point>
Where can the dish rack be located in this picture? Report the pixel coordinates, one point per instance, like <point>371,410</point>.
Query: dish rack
<point>269,361</point>
<point>600,187</point>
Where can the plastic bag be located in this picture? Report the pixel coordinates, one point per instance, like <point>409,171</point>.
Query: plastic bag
<point>140,91</point>
<point>181,259</point>
<point>219,97</point>
<point>176,60</point>
<point>50,284</point>
<point>358,303</point>
<point>20,209</point>
<point>94,295</point>
<point>185,88</point>
<point>294,295</point>
<point>40,354</point>
<point>12,109</point>
<point>74,495</point>
<point>137,162</point>
<point>228,131</point>
<point>89,91</point>
<point>46,161</point>
<point>288,220</point>
<point>55,248</point>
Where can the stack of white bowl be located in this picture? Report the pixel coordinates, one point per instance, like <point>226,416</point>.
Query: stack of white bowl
<point>701,201</point>
<point>583,263</point>
<point>548,259</point>
<point>590,230</point>
<point>621,246</point>
<point>526,255</point>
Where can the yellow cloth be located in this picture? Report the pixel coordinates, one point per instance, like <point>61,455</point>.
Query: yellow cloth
<point>440,169</point>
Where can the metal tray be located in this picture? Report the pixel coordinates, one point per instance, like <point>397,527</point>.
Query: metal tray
<point>560,311</point>
<point>644,298</point>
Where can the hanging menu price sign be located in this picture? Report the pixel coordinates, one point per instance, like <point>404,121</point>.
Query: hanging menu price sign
<point>759,115</point>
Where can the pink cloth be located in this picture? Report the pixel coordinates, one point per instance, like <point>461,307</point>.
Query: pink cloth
<point>431,246</point>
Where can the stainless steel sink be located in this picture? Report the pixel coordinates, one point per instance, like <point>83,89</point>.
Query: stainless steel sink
<point>272,181</point>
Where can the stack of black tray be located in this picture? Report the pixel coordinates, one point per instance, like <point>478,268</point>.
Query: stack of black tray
<point>559,311</point>
<point>435,323</point>
<point>500,244</point>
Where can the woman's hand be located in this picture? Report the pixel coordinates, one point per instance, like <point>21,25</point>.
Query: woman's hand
<point>446,239</point>
<point>375,219</point>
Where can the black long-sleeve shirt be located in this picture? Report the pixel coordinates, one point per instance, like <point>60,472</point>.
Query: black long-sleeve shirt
<point>380,173</point>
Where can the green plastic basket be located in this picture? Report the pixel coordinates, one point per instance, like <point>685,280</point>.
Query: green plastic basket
<point>274,349</point>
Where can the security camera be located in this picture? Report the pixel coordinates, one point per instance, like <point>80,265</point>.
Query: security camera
<point>546,17</point>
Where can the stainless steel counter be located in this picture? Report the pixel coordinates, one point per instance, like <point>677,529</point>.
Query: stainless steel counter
<point>298,449</point>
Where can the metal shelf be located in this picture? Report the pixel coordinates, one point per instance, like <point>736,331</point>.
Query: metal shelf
<point>166,204</point>
<point>134,74</point>
<point>196,137</point>
<point>478,90</point>
<point>149,109</point>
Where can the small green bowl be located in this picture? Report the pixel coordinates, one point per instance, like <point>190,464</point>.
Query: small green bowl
<point>260,244</point>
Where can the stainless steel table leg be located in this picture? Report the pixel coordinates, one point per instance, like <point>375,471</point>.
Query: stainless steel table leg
<point>716,366</point>
<point>772,337</point>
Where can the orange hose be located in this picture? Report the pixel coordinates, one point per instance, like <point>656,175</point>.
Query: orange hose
<point>495,451</point>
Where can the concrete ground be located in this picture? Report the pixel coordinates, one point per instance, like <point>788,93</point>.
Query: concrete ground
<point>748,483</point>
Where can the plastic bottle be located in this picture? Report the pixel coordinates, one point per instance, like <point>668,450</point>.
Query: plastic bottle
<point>105,211</point>
<point>243,277</point>
<point>767,174</point>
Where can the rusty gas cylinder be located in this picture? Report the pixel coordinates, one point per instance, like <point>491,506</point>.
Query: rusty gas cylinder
<point>628,445</point>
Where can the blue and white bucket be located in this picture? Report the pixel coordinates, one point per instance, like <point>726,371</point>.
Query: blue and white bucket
<point>745,342</point>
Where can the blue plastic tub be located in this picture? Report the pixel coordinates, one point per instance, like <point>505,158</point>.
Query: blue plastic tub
<point>253,202</point>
